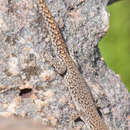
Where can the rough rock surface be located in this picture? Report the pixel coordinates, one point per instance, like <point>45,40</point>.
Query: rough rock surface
<point>30,87</point>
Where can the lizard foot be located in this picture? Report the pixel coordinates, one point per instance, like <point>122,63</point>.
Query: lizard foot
<point>56,62</point>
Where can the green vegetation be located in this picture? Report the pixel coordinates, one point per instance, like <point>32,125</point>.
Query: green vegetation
<point>115,46</point>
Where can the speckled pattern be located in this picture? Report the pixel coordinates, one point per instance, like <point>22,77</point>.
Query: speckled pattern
<point>78,88</point>
<point>30,87</point>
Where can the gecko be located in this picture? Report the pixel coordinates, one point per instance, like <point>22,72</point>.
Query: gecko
<point>77,86</point>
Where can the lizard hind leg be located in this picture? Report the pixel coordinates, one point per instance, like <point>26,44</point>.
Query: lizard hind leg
<point>57,63</point>
<point>59,66</point>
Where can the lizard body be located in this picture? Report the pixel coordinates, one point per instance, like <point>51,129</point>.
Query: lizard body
<point>78,88</point>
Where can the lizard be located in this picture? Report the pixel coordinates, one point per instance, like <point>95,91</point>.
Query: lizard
<point>77,86</point>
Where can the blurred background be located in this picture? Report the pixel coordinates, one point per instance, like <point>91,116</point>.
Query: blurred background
<point>115,46</point>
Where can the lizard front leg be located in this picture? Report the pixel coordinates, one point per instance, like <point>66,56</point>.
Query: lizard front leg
<point>75,120</point>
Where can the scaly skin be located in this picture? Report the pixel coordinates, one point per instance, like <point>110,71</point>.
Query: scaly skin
<point>78,88</point>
